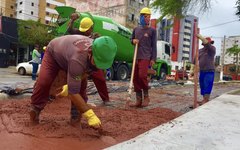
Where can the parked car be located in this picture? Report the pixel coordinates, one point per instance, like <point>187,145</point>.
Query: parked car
<point>25,68</point>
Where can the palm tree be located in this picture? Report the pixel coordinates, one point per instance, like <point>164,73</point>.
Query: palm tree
<point>235,50</point>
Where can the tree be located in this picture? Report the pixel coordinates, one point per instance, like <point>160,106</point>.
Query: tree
<point>235,50</point>
<point>238,8</point>
<point>179,8</point>
<point>33,32</point>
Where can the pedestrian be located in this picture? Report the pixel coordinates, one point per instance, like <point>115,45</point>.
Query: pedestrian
<point>36,60</point>
<point>206,67</point>
<point>77,55</point>
<point>145,37</point>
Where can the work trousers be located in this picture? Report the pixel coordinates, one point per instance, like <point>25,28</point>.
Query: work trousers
<point>206,80</point>
<point>34,70</point>
<point>140,75</point>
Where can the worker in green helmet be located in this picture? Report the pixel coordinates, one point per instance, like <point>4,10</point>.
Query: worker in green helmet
<point>77,55</point>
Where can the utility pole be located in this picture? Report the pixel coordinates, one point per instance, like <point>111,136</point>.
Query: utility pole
<point>222,59</point>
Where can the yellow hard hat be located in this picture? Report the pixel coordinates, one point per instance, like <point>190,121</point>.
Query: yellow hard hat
<point>85,24</point>
<point>145,10</point>
<point>44,48</point>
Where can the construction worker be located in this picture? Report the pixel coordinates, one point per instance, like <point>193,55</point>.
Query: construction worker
<point>77,55</point>
<point>98,75</point>
<point>145,37</point>
<point>206,66</point>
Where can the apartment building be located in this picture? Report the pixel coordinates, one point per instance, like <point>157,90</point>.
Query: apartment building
<point>125,12</point>
<point>182,38</point>
<point>229,42</point>
<point>7,8</point>
<point>42,10</point>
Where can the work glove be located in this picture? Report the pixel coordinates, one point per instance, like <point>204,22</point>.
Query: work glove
<point>64,91</point>
<point>93,120</point>
<point>204,40</point>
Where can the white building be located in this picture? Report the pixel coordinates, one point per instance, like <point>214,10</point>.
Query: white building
<point>27,9</point>
<point>229,42</point>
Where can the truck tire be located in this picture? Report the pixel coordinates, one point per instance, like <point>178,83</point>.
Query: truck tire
<point>162,75</point>
<point>122,72</point>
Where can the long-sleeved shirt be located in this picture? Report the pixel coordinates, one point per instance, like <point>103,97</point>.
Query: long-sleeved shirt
<point>206,57</point>
<point>71,54</point>
<point>36,57</point>
<point>147,47</point>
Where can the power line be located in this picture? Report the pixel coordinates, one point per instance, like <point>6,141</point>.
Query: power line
<point>219,24</point>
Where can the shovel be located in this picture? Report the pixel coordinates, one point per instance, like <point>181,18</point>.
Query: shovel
<point>132,74</point>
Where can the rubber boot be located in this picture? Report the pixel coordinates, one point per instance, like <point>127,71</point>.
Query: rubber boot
<point>146,100</point>
<point>34,114</point>
<point>138,102</point>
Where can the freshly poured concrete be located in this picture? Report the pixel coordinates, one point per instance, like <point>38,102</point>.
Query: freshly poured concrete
<point>213,126</point>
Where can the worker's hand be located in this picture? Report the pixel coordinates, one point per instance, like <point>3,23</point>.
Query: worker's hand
<point>152,62</point>
<point>64,91</point>
<point>135,41</point>
<point>93,120</point>
<point>74,16</point>
<point>191,74</point>
<point>204,40</point>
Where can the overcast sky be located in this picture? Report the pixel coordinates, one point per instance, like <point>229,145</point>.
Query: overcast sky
<point>222,11</point>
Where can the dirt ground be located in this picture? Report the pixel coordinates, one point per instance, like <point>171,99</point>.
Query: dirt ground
<point>119,124</point>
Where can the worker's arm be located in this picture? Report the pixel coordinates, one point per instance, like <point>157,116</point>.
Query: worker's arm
<point>204,40</point>
<point>70,29</point>
<point>83,108</point>
<point>134,40</point>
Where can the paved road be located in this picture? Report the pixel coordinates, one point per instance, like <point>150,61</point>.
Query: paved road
<point>9,76</point>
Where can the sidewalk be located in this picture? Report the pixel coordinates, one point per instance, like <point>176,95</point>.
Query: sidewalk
<point>215,125</point>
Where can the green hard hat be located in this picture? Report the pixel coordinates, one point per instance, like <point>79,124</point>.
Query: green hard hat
<point>104,51</point>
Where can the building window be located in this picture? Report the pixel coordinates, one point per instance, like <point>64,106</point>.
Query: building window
<point>11,7</point>
<point>48,4</point>
<point>47,13</point>
<point>11,15</point>
<point>32,4</point>
<point>141,1</point>
<point>20,12</point>
<point>47,22</point>
<point>21,3</point>
<point>31,12</point>
<point>132,18</point>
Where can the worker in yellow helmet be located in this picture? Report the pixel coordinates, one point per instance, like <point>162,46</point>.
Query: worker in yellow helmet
<point>145,37</point>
